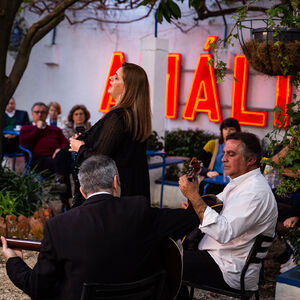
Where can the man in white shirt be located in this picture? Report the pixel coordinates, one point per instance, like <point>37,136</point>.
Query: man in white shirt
<point>249,209</point>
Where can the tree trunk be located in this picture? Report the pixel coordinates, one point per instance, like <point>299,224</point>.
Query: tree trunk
<point>8,11</point>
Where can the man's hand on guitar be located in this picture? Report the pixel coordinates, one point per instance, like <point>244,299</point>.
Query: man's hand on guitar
<point>190,190</point>
<point>188,187</point>
<point>7,252</point>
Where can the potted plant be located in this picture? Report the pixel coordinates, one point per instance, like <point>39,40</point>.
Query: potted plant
<point>274,49</point>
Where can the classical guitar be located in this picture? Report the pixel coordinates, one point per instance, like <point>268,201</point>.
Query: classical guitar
<point>172,260</point>
<point>23,244</point>
<point>211,200</point>
<point>191,241</point>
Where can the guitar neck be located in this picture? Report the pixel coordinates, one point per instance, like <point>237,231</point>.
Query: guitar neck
<point>23,244</point>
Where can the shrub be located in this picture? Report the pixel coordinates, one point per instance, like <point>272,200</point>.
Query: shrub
<point>186,142</point>
<point>155,142</point>
<point>21,193</point>
<point>9,205</point>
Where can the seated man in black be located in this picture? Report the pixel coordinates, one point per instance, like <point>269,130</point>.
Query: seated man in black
<point>48,145</point>
<point>14,119</point>
<point>107,239</point>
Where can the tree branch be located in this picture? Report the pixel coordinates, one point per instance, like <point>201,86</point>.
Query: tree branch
<point>35,33</point>
<point>209,14</point>
<point>72,22</point>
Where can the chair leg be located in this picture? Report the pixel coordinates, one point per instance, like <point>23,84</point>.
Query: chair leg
<point>257,295</point>
<point>192,293</point>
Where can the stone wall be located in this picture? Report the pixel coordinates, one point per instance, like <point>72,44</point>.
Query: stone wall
<point>23,227</point>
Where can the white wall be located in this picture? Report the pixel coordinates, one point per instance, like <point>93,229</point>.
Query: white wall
<point>83,54</point>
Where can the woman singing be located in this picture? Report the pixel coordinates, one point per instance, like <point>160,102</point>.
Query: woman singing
<point>122,132</point>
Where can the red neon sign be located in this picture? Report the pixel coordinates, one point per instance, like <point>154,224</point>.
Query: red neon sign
<point>172,85</point>
<point>116,62</point>
<point>239,93</point>
<point>282,97</point>
<point>210,40</point>
<point>203,96</point>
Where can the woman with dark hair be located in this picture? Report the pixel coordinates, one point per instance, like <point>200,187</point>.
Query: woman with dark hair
<point>77,121</point>
<point>122,133</point>
<point>212,154</point>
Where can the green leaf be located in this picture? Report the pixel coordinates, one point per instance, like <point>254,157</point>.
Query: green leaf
<point>176,12</point>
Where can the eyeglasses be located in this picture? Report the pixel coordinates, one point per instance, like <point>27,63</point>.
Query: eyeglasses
<point>42,112</point>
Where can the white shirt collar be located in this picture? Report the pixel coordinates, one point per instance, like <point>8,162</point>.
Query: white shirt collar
<point>98,193</point>
<point>243,177</point>
<point>10,114</point>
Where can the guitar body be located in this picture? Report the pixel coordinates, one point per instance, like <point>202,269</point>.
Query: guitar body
<point>213,202</point>
<point>173,264</point>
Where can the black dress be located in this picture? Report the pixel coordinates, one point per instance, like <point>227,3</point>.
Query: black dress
<point>109,136</point>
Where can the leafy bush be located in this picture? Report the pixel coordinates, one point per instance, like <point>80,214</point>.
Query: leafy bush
<point>9,205</point>
<point>186,142</point>
<point>155,142</point>
<point>21,193</point>
<point>283,136</point>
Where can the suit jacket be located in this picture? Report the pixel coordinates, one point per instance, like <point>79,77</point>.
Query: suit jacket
<point>21,117</point>
<point>106,239</point>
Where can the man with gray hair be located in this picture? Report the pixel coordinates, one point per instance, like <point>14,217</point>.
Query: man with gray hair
<point>107,239</point>
<point>249,209</point>
<point>49,147</point>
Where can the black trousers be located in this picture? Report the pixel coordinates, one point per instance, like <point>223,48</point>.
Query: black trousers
<point>11,145</point>
<point>60,165</point>
<point>200,267</point>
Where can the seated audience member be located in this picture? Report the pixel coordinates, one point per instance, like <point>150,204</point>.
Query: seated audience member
<point>107,239</point>
<point>13,120</point>
<point>48,146</point>
<point>288,218</point>
<point>288,205</point>
<point>212,154</point>
<point>54,117</point>
<point>77,121</point>
<point>249,209</point>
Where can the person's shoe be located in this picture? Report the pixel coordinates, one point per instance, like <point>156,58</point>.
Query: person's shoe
<point>288,265</point>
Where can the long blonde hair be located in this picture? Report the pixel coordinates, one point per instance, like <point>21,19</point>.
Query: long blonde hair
<point>136,101</point>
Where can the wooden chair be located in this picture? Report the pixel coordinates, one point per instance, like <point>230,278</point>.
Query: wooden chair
<point>256,255</point>
<point>149,288</point>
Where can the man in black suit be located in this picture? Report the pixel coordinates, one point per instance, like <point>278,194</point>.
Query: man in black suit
<point>107,239</point>
<point>14,119</point>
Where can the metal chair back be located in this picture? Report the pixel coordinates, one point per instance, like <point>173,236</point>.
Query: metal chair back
<point>149,288</point>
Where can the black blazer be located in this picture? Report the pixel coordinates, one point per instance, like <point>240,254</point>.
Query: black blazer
<point>106,239</point>
<point>21,118</point>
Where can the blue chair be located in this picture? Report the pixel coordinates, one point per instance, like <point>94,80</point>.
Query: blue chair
<point>14,155</point>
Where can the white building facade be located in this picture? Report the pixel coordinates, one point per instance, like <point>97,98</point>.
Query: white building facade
<point>72,68</point>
